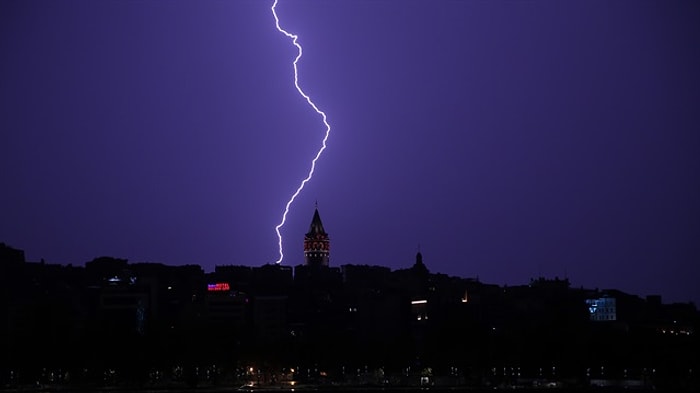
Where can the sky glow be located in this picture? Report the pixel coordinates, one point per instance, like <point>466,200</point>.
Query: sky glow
<point>294,38</point>
<point>511,140</point>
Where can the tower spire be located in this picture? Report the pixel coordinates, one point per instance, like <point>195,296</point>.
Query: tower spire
<point>316,242</point>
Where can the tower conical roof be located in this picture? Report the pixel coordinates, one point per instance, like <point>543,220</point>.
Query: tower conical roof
<point>316,227</point>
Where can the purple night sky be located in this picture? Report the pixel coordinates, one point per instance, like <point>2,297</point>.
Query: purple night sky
<point>509,139</point>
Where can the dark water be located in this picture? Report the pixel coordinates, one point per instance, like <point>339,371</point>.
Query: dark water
<point>331,389</point>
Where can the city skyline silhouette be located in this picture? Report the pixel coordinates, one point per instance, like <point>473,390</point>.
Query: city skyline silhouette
<point>511,140</point>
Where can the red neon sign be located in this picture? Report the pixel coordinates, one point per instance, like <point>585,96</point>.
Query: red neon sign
<point>218,287</point>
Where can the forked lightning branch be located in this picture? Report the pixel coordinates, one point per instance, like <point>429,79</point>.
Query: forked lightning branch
<point>295,42</point>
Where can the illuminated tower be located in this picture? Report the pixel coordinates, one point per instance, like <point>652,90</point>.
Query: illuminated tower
<point>316,243</point>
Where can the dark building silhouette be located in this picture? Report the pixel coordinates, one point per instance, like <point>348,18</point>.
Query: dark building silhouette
<point>114,323</point>
<point>11,255</point>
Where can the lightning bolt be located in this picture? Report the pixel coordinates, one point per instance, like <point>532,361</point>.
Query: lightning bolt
<point>294,39</point>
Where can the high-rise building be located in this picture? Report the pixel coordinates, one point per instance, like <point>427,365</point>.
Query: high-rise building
<point>316,243</point>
